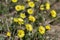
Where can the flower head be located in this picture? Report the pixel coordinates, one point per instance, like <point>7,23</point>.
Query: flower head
<point>20,33</point>
<point>47,6</point>
<point>20,21</point>
<point>42,7</point>
<point>41,30</point>
<point>18,7</point>
<point>22,7</point>
<point>14,1</point>
<point>30,11</point>
<point>53,13</point>
<point>8,34</point>
<point>28,0</point>
<point>48,27</point>
<point>31,4</point>
<point>32,18</point>
<point>29,27</point>
<point>22,15</point>
<point>15,19</point>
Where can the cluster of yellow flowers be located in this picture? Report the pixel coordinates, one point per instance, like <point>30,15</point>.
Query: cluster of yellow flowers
<point>43,29</point>
<point>19,20</point>
<point>32,5</point>
<point>19,7</point>
<point>30,11</point>
<point>21,33</point>
<point>47,7</point>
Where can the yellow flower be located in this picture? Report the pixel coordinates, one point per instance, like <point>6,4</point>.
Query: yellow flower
<point>15,20</point>
<point>8,34</point>
<point>42,7</point>
<point>14,1</point>
<point>30,11</point>
<point>41,30</point>
<point>18,7</point>
<point>22,7</point>
<point>32,18</point>
<point>20,21</point>
<point>48,27</point>
<point>47,6</point>
<point>22,15</point>
<point>28,0</point>
<point>20,33</point>
<point>31,4</point>
<point>29,27</point>
<point>53,13</point>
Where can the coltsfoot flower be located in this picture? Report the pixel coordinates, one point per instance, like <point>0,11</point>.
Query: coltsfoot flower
<point>41,30</point>
<point>14,1</point>
<point>22,15</point>
<point>29,27</point>
<point>31,4</point>
<point>53,13</point>
<point>20,21</point>
<point>42,7</point>
<point>30,11</point>
<point>22,7</point>
<point>18,7</point>
<point>47,6</point>
<point>48,27</point>
<point>8,34</point>
<point>28,0</point>
<point>32,18</point>
<point>15,19</point>
<point>20,33</point>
